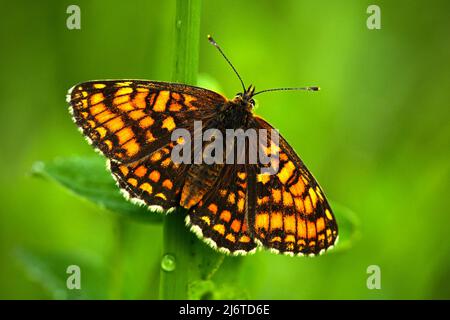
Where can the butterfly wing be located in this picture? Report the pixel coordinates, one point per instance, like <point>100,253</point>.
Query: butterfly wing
<point>291,215</point>
<point>131,122</point>
<point>155,181</point>
<point>127,120</point>
<point>220,218</point>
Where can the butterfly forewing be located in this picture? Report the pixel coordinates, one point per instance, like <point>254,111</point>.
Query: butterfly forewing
<point>128,120</point>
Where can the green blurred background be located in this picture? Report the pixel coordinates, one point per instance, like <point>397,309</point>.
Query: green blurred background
<point>376,136</point>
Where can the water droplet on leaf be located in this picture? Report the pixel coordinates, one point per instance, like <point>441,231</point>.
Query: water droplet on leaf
<point>168,263</point>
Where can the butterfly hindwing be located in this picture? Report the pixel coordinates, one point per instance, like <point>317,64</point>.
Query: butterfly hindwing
<point>129,119</point>
<point>155,181</point>
<point>221,219</point>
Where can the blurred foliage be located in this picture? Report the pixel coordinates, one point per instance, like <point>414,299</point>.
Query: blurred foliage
<point>376,137</point>
<point>49,270</point>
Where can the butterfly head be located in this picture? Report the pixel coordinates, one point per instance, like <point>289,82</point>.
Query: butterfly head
<point>246,98</point>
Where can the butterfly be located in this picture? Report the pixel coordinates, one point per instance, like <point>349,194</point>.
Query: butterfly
<point>235,208</point>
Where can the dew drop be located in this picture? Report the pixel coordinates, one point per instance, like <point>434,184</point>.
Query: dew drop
<point>168,263</point>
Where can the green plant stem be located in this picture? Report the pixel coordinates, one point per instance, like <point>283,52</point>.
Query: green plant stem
<point>177,238</point>
<point>117,259</point>
<point>187,32</point>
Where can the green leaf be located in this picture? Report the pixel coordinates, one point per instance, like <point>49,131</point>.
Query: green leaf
<point>201,290</point>
<point>50,271</point>
<point>228,278</point>
<point>221,285</point>
<point>210,290</point>
<point>205,260</point>
<point>348,224</point>
<point>89,179</point>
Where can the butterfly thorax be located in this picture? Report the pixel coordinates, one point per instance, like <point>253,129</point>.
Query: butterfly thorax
<point>234,114</point>
<point>237,113</point>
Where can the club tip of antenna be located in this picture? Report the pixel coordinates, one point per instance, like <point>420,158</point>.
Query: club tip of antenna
<point>314,88</point>
<point>210,39</point>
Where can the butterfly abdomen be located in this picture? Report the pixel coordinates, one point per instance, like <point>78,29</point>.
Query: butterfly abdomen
<point>200,179</point>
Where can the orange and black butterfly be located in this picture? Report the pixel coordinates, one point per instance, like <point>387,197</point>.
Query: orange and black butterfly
<point>233,207</point>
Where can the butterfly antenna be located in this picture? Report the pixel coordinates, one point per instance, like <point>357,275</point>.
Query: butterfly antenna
<point>289,89</point>
<point>214,43</point>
